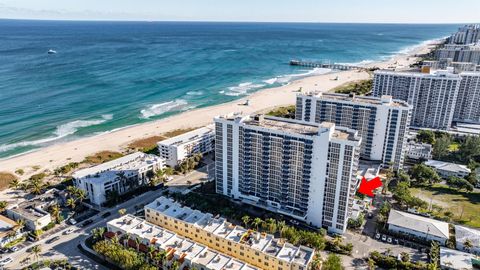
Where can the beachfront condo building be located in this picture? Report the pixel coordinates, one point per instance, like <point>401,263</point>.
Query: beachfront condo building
<point>467,108</point>
<point>381,122</point>
<point>187,253</point>
<point>303,170</point>
<point>118,176</point>
<point>176,149</point>
<point>460,53</point>
<point>257,249</point>
<point>433,95</point>
<point>445,63</point>
<point>466,35</point>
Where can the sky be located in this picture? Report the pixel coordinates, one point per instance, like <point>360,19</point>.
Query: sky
<point>365,11</point>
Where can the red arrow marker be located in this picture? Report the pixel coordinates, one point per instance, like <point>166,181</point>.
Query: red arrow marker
<point>367,188</point>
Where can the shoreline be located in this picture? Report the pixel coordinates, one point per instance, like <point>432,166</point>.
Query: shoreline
<point>54,156</point>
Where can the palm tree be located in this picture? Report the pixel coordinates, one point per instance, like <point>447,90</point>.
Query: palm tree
<point>55,212</point>
<point>3,205</point>
<point>71,203</point>
<point>405,257</point>
<point>137,243</point>
<point>175,266</point>
<point>98,233</point>
<point>81,195</point>
<point>281,225</point>
<point>468,245</point>
<point>20,225</point>
<point>160,257</point>
<point>246,219</point>
<point>168,170</point>
<point>36,250</point>
<point>14,184</point>
<point>36,186</point>
<point>256,222</point>
<point>122,211</point>
<point>271,225</point>
<point>316,263</point>
<point>371,264</point>
<point>151,252</point>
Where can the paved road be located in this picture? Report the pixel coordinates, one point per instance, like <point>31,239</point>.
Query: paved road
<point>66,246</point>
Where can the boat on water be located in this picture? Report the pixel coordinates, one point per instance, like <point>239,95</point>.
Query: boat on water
<point>51,51</point>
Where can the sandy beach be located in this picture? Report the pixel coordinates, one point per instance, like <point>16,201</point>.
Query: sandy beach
<point>52,157</point>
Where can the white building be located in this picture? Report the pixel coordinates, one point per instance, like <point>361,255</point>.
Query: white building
<point>460,53</point>
<point>447,169</point>
<point>465,35</point>
<point>418,226</point>
<point>447,62</point>
<point>381,122</point>
<point>189,254</point>
<point>462,234</point>
<point>303,170</point>
<point>7,226</point>
<point>176,149</point>
<point>467,108</point>
<point>432,95</point>
<point>419,151</point>
<point>32,213</point>
<point>451,259</point>
<point>120,176</point>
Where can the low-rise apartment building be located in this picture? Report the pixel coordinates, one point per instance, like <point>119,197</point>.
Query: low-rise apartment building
<point>419,151</point>
<point>118,176</point>
<point>188,253</point>
<point>447,169</point>
<point>258,249</point>
<point>176,149</point>
<point>8,231</point>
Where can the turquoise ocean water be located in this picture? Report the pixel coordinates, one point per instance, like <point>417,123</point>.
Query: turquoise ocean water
<point>108,75</point>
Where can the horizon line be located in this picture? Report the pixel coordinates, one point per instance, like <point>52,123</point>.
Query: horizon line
<point>220,21</point>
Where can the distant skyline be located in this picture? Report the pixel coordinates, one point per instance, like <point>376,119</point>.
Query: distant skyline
<point>367,11</point>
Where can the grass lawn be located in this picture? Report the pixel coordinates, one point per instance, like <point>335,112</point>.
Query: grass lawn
<point>362,87</point>
<point>464,206</point>
<point>454,147</point>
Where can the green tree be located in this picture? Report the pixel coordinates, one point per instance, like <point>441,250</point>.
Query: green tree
<point>98,233</point>
<point>246,220</point>
<point>459,183</point>
<point>71,203</point>
<point>470,147</point>
<point>426,136</point>
<point>424,174</point>
<point>3,205</point>
<point>333,262</point>
<point>55,211</point>
<point>257,222</point>
<point>441,147</point>
<point>14,184</point>
<point>36,185</point>
<point>36,250</point>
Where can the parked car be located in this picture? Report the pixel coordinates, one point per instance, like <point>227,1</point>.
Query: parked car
<point>5,261</point>
<point>370,215</point>
<point>69,231</point>
<point>51,240</point>
<point>72,221</point>
<point>106,214</point>
<point>87,222</point>
<point>14,249</point>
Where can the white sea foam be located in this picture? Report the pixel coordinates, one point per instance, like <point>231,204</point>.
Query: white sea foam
<point>195,93</point>
<point>241,89</point>
<point>271,81</point>
<point>62,131</point>
<point>158,109</point>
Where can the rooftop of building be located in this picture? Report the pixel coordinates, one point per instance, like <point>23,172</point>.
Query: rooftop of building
<point>6,225</point>
<point>454,259</point>
<point>183,247</point>
<point>127,163</point>
<point>221,227</point>
<point>419,223</point>
<point>449,73</point>
<point>34,209</point>
<point>383,100</point>
<point>463,234</point>
<point>447,166</point>
<point>189,136</point>
<point>293,126</point>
